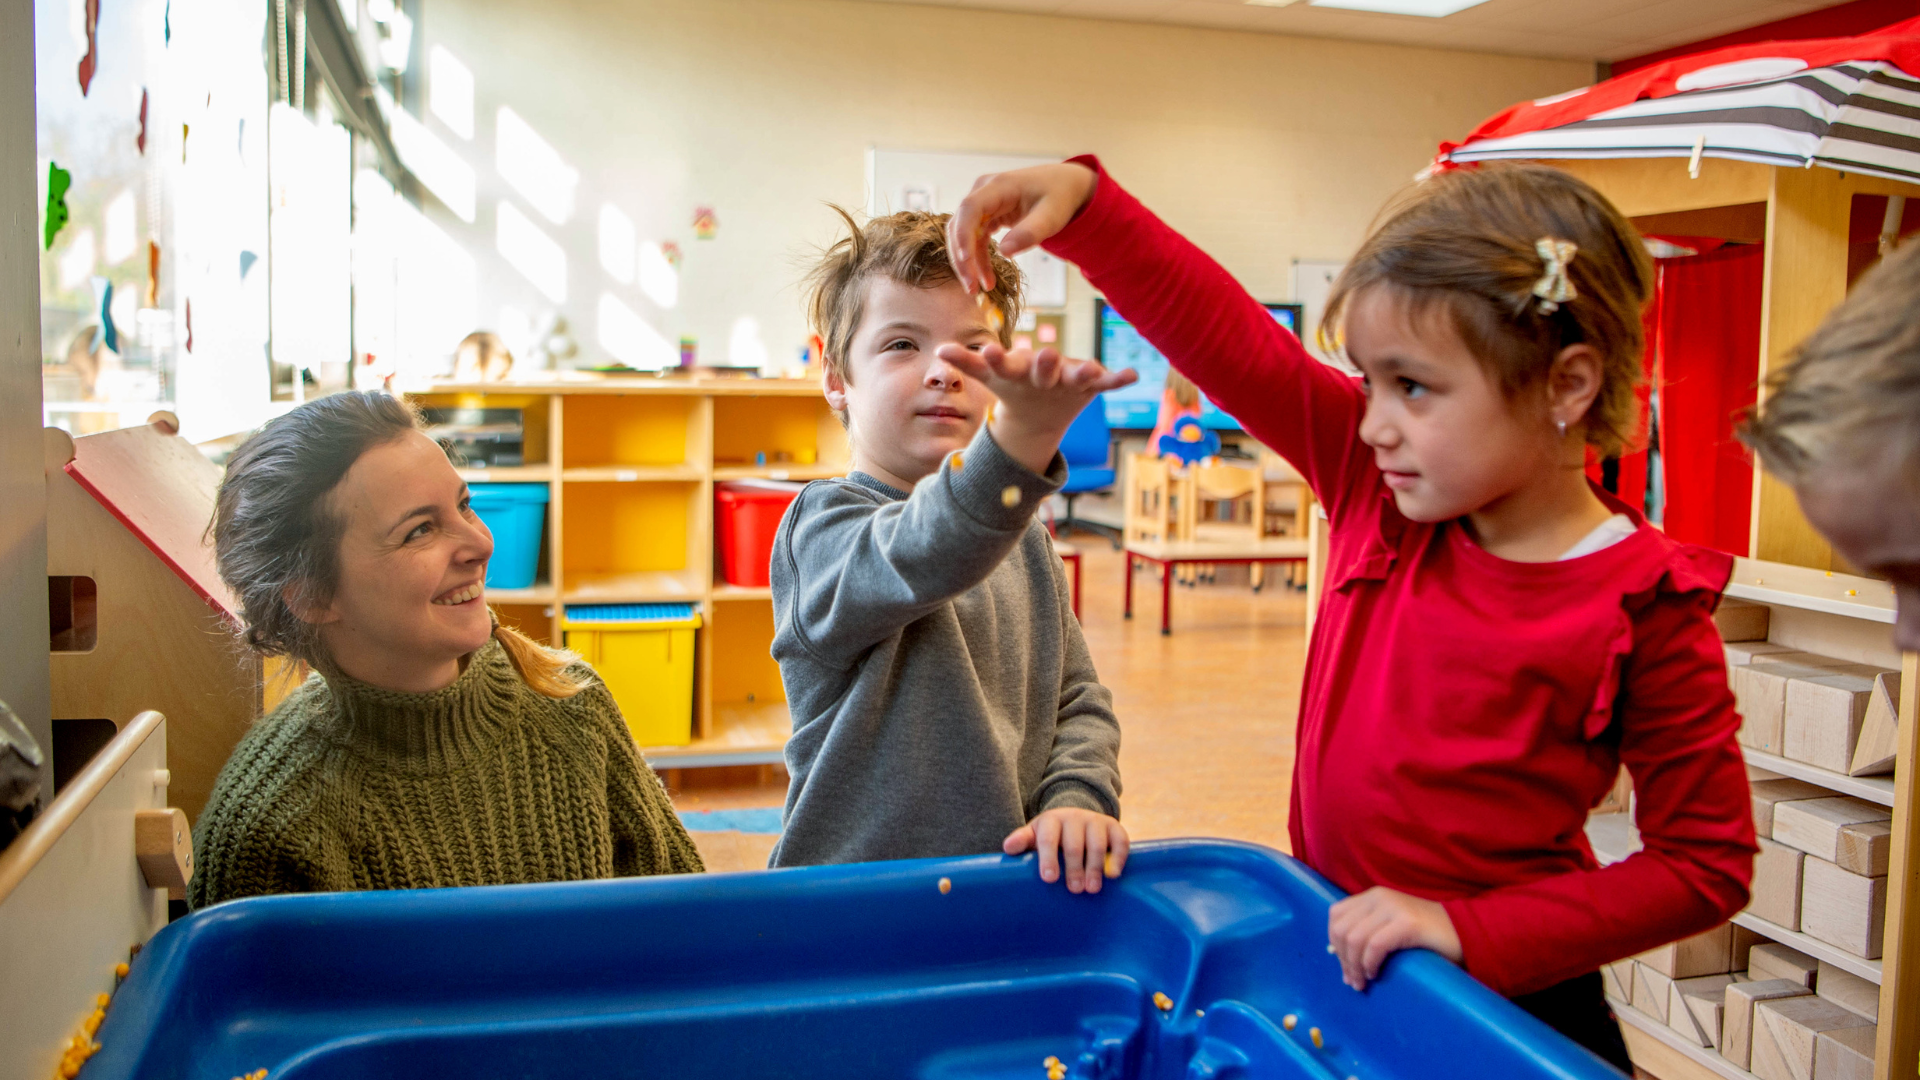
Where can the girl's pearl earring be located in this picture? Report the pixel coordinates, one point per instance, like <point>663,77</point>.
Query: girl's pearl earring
<point>1563,427</point>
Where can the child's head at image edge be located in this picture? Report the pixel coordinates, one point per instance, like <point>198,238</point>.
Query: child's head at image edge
<point>884,299</point>
<point>1472,371</point>
<point>346,534</point>
<point>1841,424</point>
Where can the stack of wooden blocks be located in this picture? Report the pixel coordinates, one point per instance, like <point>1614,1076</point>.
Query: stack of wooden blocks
<point>1832,714</point>
<point>1763,1006</point>
<point>1822,868</point>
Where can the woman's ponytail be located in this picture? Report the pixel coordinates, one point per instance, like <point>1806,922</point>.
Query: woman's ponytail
<point>543,669</point>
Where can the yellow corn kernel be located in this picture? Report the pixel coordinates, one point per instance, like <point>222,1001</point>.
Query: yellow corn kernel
<point>121,969</point>
<point>1162,1001</point>
<point>946,886</point>
<point>1050,1062</point>
<point>1289,1021</point>
<point>1314,1034</point>
<point>1199,1012</point>
<point>103,1000</point>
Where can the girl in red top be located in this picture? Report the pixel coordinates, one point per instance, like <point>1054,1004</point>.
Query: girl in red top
<point>1498,635</point>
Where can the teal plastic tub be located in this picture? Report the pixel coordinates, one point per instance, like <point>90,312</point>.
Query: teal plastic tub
<point>516,514</point>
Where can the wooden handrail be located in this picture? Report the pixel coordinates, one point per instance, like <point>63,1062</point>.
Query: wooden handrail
<point>19,859</point>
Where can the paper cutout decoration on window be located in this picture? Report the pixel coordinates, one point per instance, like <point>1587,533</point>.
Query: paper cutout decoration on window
<point>90,62</point>
<point>58,181</point>
<point>705,223</point>
<point>153,273</point>
<point>166,24</point>
<point>184,129</point>
<point>247,259</point>
<point>189,321</point>
<point>672,251</point>
<point>141,142</point>
<point>109,334</point>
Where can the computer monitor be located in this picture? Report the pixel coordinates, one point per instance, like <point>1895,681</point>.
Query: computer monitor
<point>1118,345</point>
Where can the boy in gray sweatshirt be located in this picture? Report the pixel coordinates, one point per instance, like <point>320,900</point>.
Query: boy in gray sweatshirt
<point>943,699</point>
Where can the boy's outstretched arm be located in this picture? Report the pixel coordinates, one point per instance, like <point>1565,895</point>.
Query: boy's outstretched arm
<point>850,569</point>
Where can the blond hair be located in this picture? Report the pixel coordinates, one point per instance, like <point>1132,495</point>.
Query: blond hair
<point>1466,242</point>
<point>909,247</point>
<point>1852,388</point>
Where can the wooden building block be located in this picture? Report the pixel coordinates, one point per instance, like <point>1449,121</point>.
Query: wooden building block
<point>1694,1007</point>
<point>1760,693</point>
<point>1776,961</point>
<point>1743,942</point>
<point>1741,620</point>
<point>1616,980</point>
<point>1821,725</point>
<point>1879,729</point>
<point>1785,1031</point>
<point>1865,848</point>
<point>1842,908</point>
<point>1651,991</point>
<point>1708,953</point>
<point>1736,1038</point>
<point>1845,1053</point>
<point>1769,794</point>
<point>1777,873</point>
<point>1848,990</point>
<point>1813,825</point>
<point>1746,652</point>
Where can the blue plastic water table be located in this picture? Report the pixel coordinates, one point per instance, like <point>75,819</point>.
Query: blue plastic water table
<point>1206,960</point>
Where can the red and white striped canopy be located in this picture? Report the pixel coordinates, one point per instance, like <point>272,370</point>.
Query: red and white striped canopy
<point>1845,103</point>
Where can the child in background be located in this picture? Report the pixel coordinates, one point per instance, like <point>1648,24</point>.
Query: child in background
<point>1180,399</point>
<point>1841,423</point>
<point>1498,635</point>
<point>943,699</point>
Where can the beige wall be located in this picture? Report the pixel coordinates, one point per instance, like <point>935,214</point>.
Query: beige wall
<point>1261,148</point>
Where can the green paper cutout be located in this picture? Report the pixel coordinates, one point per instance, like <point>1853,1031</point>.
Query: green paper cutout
<point>58,181</point>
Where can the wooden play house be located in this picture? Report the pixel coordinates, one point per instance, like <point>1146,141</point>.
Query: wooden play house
<point>140,618</point>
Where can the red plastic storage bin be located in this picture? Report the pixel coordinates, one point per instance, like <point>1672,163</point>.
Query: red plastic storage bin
<point>747,513</point>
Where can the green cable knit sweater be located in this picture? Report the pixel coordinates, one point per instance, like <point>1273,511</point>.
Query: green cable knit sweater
<point>485,782</point>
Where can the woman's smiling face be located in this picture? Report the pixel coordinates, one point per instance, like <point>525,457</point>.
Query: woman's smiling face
<point>411,598</point>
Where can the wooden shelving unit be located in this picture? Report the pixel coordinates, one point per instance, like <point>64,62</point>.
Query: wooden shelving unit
<point>631,462</point>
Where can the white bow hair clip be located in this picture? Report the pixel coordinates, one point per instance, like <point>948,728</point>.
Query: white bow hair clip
<point>1554,287</point>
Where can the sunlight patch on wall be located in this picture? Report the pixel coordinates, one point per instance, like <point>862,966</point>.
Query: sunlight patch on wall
<point>616,244</point>
<point>450,91</point>
<point>744,345</point>
<point>624,334</point>
<point>534,168</point>
<point>658,279</point>
<point>436,164</point>
<point>538,258</point>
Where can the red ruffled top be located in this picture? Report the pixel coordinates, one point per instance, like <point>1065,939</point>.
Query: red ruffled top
<point>1462,713</point>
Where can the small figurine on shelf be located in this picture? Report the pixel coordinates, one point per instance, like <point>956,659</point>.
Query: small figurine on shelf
<point>482,357</point>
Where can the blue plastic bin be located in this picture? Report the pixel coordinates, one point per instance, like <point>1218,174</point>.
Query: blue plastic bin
<point>869,970</point>
<point>516,514</point>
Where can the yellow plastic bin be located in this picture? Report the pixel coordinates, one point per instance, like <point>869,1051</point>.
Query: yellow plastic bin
<point>644,652</point>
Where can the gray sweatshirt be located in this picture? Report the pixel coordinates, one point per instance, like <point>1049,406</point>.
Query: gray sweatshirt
<point>942,695</point>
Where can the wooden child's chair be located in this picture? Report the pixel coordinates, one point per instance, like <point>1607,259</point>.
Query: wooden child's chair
<point>1225,503</point>
<point>1150,515</point>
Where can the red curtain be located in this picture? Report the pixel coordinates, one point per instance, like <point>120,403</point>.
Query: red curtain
<point>1706,352</point>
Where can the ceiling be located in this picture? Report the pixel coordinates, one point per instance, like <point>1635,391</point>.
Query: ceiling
<point>1570,29</point>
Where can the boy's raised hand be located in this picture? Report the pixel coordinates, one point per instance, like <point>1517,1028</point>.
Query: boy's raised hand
<point>1031,204</point>
<point>1040,393</point>
<point>1092,846</point>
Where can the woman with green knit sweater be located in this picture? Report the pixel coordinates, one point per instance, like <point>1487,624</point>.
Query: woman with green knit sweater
<point>432,746</point>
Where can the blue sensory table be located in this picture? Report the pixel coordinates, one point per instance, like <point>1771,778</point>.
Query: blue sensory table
<point>1207,959</point>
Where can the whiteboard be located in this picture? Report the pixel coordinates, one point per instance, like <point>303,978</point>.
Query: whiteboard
<point>1312,281</point>
<point>936,181</point>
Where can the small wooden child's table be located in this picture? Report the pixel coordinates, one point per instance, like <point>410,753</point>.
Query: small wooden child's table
<point>1168,554</point>
<point>1071,556</point>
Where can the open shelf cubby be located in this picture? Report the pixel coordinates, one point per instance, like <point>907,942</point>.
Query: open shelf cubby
<point>631,463</point>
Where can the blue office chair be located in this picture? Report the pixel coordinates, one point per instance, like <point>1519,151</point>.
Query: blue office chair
<point>1188,441</point>
<point>1088,448</point>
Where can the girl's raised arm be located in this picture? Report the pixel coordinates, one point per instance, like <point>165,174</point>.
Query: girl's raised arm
<point>1185,303</point>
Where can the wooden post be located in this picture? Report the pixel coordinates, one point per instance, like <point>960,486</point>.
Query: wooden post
<point>1898,1050</point>
<point>1805,278</point>
<point>23,526</point>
